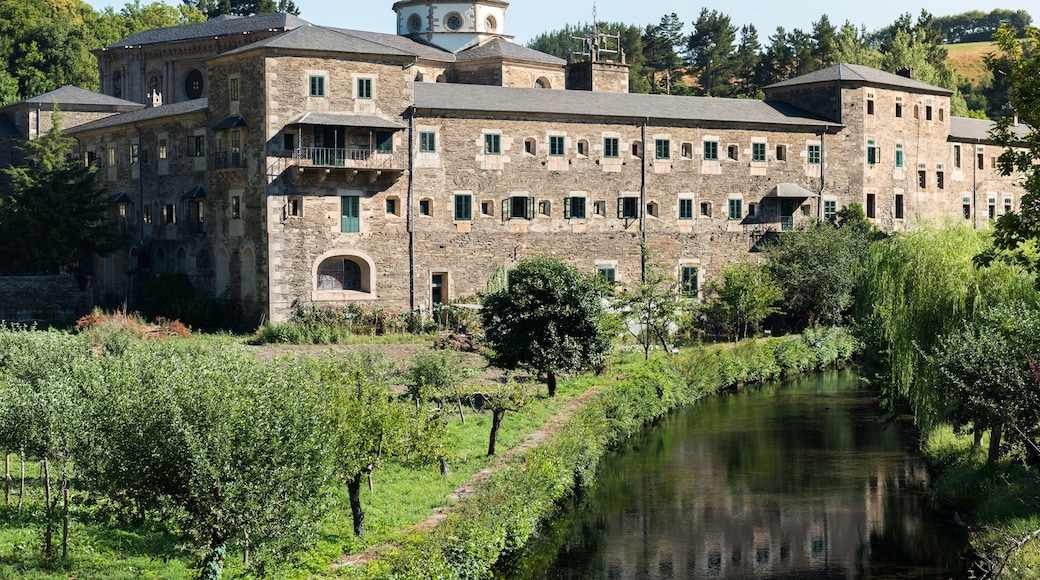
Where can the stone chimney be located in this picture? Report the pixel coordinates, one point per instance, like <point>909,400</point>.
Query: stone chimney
<point>154,99</point>
<point>907,72</point>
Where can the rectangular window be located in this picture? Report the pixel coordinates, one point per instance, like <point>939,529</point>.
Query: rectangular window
<point>144,156</point>
<point>611,147</point>
<point>518,207</point>
<point>425,207</point>
<point>317,86</point>
<point>492,144</point>
<point>689,283</point>
<point>736,209</point>
<point>463,207</point>
<point>233,89</point>
<point>899,206</point>
<point>966,207</point>
<point>350,214</point>
<point>940,180</point>
<point>582,148</point>
<point>135,153</point>
<point>830,209</point>
<point>663,149</point>
<point>1007,205</point>
<point>364,88</point>
<point>391,206</point>
<point>427,142</point>
<point>147,213</point>
<point>781,153</point>
<point>758,152</point>
<point>609,273</point>
<point>956,156</point>
<point>922,179</point>
<point>162,149</point>
<point>294,207</point>
<point>732,152</point>
<point>899,110</point>
<point>814,155</point>
<point>289,141</point>
<point>870,106</point>
<point>236,207</point>
<point>197,145</point>
<point>556,145</point>
<point>873,153</point>
<point>486,207</point>
<point>628,208</point>
<point>169,214</point>
<point>574,208</point>
<point>871,205</point>
<point>706,208</point>
<point>899,155</point>
<point>982,161</point>
<point>711,150</point>
<point>686,209</point>
<point>600,208</point>
<point>384,142</point>
<point>928,113</point>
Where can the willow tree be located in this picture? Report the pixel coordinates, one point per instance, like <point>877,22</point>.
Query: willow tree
<point>917,288</point>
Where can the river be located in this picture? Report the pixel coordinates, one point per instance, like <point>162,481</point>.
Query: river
<point>802,479</point>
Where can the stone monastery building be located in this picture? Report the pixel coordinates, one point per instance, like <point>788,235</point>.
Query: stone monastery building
<point>274,161</point>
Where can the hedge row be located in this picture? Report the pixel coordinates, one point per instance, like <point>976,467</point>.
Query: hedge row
<point>505,511</point>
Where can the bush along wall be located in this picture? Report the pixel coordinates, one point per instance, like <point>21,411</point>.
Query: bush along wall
<point>505,511</point>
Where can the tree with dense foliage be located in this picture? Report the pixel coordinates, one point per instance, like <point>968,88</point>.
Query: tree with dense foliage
<point>214,443</point>
<point>817,266</point>
<point>550,319</point>
<point>1016,237</point>
<point>917,288</point>
<point>741,298</point>
<point>987,375</point>
<point>54,217</point>
<point>748,57</point>
<point>214,8</point>
<point>979,26</point>
<point>711,53</point>
<point>661,45</point>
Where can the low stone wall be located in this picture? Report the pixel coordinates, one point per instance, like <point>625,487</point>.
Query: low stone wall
<point>50,299</point>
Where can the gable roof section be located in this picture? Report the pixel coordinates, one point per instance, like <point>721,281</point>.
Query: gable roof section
<point>73,95</point>
<point>965,129</point>
<point>857,73</point>
<point>327,39</point>
<point>225,25</point>
<point>500,48</point>
<point>529,102</point>
<point>152,113</point>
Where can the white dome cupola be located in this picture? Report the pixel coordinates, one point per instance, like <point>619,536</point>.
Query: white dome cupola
<point>452,26</point>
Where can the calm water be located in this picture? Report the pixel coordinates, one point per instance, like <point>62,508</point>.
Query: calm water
<point>800,480</point>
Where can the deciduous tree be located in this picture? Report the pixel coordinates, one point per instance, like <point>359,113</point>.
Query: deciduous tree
<point>741,298</point>
<point>549,319</point>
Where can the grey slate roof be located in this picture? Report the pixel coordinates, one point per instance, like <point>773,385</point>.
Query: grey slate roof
<point>225,25</point>
<point>500,48</point>
<point>965,129</point>
<point>859,74</point>
<point>345,120</point>
<point>195,106</point>
<point>327,39</point>
<point>532,102</point>
<point>73,95</point>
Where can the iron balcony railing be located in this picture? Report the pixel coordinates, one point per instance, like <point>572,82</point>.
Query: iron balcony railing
<point>334,157</point>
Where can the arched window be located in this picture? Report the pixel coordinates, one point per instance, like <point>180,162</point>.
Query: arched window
<point>339,273</point>
<point>182,260</point>
<point>542,83</point>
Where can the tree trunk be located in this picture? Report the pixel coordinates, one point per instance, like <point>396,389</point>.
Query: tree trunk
<point>213,563</point>
<point>64,513</point>
<point>245,548</point>
<point>496,422</point>
<point>7,477</point>
<point>48,511</point>
<point>458,402</point>
<point>994,445</point>
<point>354,488</point>
<point>550,378</point>
<point>21,486</point>
<point>978,437</point>
<point>444,466</point>
<point>370,487</point>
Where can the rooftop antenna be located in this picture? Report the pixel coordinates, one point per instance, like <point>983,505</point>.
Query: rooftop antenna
<point>597,45</point>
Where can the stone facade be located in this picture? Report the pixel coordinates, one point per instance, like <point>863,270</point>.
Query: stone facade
<point>327,173</point>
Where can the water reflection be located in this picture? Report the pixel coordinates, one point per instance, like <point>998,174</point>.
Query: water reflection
<point>804,480</point>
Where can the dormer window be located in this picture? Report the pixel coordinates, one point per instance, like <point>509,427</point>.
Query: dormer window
<point>453,21</point>
<point>490,24</point>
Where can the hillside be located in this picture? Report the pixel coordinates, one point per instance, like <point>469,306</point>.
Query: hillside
<point>966,60</point>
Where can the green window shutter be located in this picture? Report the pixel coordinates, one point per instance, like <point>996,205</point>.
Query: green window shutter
<point>350,218</point>
<point>530,208</point>
<point>463,207</point>
<point>567,212</point>
<point>506,209</point>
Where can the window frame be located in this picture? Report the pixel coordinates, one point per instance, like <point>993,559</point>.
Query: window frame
<point>492,143</point>
<point>758,152</point>
<point>557,145</point>
<point>463,207</point>
<point>316,86</point>
<point>899,156</point>
<point>688,273</point>
<point>628,207</point>
<point>572,203</point>
<point>685,208</point>
<point>612,147</point>
<point>662,149</point>
<point>830,209</point>
<point>364,87</point>
<point>427,141</point>
<point>350,224</point>
<point>737,204</point>
<point>814,153</point>
<point>711,150</point>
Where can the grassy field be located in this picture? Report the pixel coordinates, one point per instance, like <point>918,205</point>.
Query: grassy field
<point>967,61</point>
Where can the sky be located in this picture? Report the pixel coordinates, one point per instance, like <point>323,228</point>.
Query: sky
<point>526,19</point>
